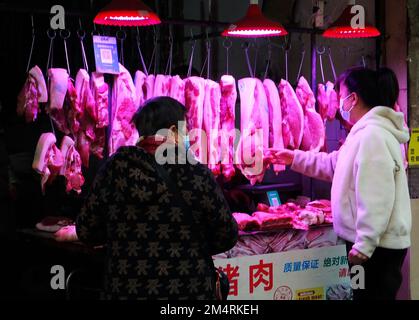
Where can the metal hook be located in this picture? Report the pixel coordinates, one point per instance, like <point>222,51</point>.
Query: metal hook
<point>33,26</point>
<point>287,43</point>
<point>94,32</point>
<point>321,50</point>
<point>332,64</point>
<point>32,45</point>
<point>227,43</point>
<point>138,36</point>
<point>245,45</point>
<point>63,35</point>
<point>192,35</point>
<point>81,33</point>
<point>170,35</point>
<point>51,33</point>
<point>121,35</point>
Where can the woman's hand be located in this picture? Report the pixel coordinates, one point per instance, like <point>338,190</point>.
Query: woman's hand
<point>283,157</point>
<point>356,257</point>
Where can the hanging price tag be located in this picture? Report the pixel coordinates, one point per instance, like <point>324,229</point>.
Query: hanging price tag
<point>106,54</point>
<point>274,199</point>
<point>414,148</point>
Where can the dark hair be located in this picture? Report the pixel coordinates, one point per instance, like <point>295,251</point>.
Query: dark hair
<point>363,82</point>
<point>158,113</point>
<point>388,87</point>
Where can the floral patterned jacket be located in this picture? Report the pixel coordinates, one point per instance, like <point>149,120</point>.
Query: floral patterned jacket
<point>154,251</point>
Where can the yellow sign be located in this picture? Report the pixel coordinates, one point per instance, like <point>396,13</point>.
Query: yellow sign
<point>310,294</point>
<point>414,148</point>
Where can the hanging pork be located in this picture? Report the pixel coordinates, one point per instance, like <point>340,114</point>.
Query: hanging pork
<point>194,103</point>
<point>139,80</point>
<point>211,124</point>
<point>58,85</point>
<point>314,129</point>
<point>124,100</point>
<point>227,125</point>
<point>254,129</point>
<point>162,85</point>
<point>148,87</point>
<point>177,89</point>
<point>71,168</point>
<point>48,159</point>
<point>32,94</point>
<point>86,135</point>
<point>275,120</point>
<point>328,101</point>
<point>292,116</point>
<point>100,91</point>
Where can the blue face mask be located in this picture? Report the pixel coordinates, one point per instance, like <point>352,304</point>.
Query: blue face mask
<point>346,115</point>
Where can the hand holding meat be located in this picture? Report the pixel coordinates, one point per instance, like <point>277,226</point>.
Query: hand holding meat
<point>283,157</point>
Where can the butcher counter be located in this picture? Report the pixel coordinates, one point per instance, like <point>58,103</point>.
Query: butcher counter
<point>83,264</point>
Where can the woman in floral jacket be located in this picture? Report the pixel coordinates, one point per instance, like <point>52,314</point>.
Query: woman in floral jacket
<point>159,242</point>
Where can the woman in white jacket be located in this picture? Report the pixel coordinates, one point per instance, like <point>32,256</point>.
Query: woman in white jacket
<point>370,195</point>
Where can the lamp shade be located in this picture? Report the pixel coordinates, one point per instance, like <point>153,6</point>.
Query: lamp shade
<point>254,25</point>
<point>343,29</point>
<point>129,13</point>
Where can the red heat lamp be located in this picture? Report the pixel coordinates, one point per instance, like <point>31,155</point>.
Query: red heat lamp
<point>127,13</point>
<point>254,25</point>
<point>342,28</point>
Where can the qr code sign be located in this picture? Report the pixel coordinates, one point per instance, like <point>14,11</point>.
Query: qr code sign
<point>106,56</point>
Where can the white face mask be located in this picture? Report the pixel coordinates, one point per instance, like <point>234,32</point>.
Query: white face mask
<point>346,115</point>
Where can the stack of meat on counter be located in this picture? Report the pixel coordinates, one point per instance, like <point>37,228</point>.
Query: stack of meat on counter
<point>271,117</point>
<point>287,216</point>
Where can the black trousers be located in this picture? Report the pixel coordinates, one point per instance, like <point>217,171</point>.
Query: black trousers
<point>383,274</point>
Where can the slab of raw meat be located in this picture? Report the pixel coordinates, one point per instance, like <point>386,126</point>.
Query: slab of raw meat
<point>72,108</point>
<point>71,168</point>
<point>261,112</point>
<point>148,87</point>
<point>272,222</point>
<point>86,135</point>
<point>194,103</point>
<point>100,91</point>
<point>48,159</point>
<point>228,125</point>
<point>314,129</point>
<point>177,89</point>
<point>139,80</point>
<point>292,116</point>
<point>124,97</point>
<point>162,86</point>
<point>98,144</point>
<point>246,222</point>
<point>254,130</point>
<point>328,101</point>
<point>58,85</point>
<point>212,124</point>
<point>33,92</point>
<point>275,120</point>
